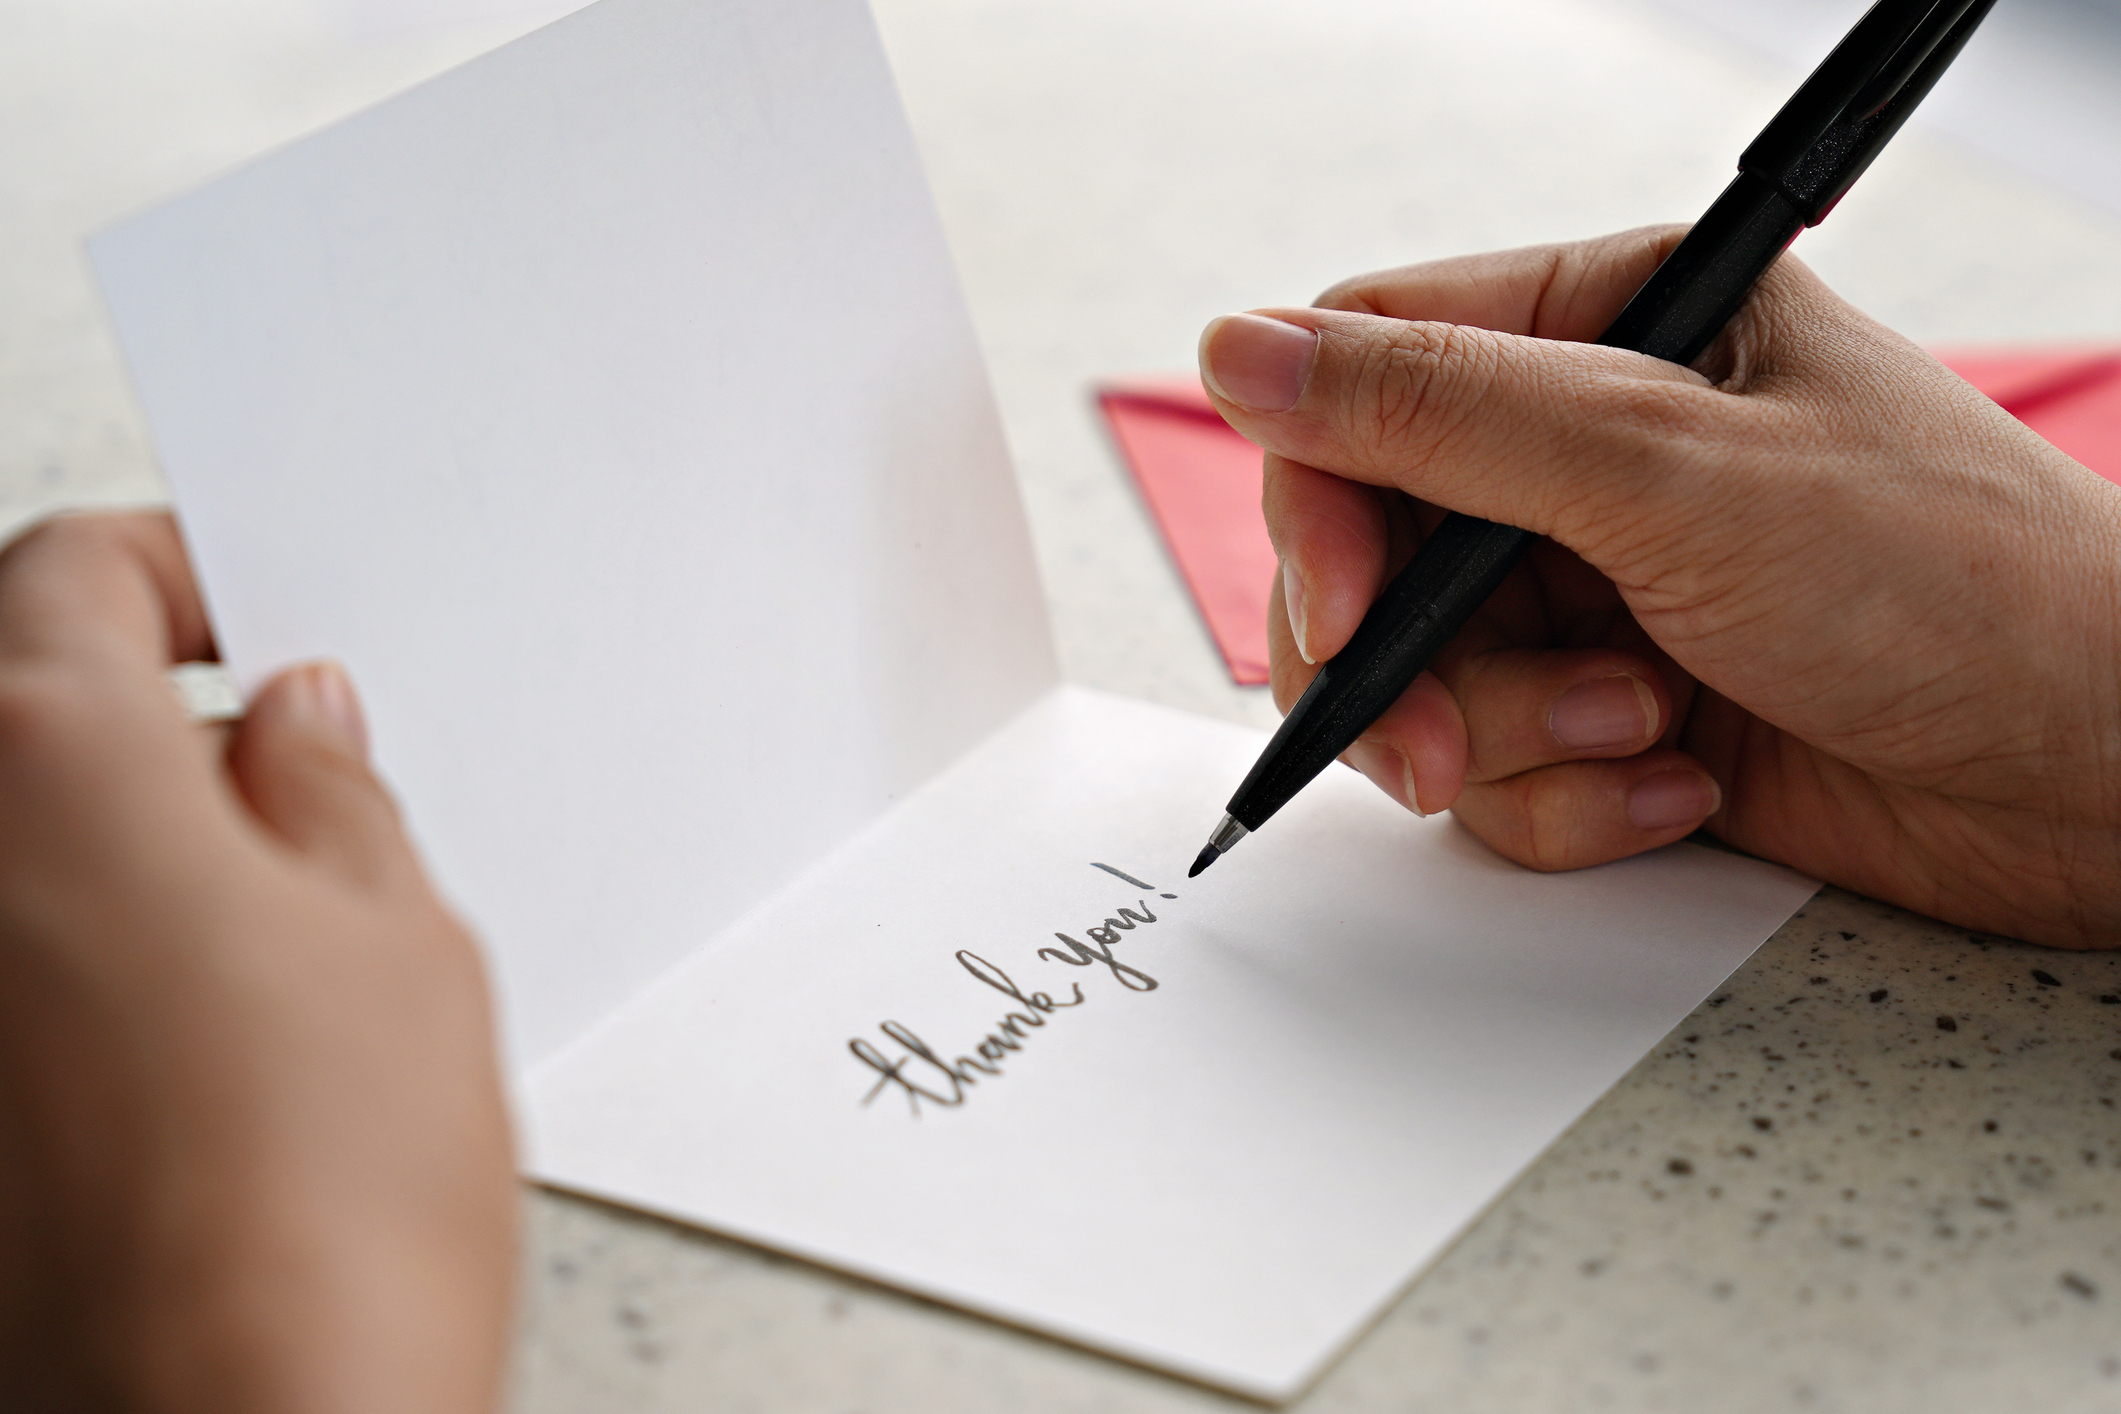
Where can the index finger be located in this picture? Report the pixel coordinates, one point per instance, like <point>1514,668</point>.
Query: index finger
<point>1569,292</point>
<point>112,583</point>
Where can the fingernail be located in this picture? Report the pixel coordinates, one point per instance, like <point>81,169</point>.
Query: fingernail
<point>1615,711</point>
<point>321,695</point>
<point>1256,362</point>
<point>1679,797</point>
<point>1292,594</point>
<point>1389,770</point>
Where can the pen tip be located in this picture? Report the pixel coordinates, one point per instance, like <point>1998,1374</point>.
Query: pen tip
<point>1207,856</point>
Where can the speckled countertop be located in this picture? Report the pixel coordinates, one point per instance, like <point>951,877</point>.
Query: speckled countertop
<point>1876,1171</point>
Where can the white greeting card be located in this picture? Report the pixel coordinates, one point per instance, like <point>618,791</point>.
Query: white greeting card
<point>1000,1050</point>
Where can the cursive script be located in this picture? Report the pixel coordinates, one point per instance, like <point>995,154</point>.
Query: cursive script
<point>1099,949</point>
<point>921,1073</point>
<point>924,1075</point>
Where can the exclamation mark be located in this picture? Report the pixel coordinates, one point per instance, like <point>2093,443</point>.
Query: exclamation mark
<point>1123,874</point>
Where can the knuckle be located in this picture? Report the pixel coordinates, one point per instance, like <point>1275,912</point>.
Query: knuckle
<point>1400,385</point>
<point>1545,848</point>
<point>1506,816</point>
<point>1352,294</point>
<point>1544,829</point>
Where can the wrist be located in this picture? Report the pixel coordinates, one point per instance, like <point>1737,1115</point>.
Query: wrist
<point>294,1306</point>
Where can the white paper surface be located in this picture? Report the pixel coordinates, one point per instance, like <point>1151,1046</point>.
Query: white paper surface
<point>610,408</point>
<point>365,17</point>
<point>1362,1026</point>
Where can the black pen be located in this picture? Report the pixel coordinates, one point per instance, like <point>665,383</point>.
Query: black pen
<point>1802,163</point>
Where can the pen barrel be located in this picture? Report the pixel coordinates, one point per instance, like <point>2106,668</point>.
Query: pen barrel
<point>1420,611</point>
<point>1683,306</point>
<point>1834,126</point>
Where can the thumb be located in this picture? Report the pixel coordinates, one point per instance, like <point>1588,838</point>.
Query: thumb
<point>300,757</point>
<point>1544,434</point>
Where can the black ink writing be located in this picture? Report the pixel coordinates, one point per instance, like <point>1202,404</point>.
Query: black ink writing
<point>921,1073</point>
<point>999,980</point>
<point>1123,874</point>
<point>894,1071</point>
<point>1009,1036</point>
<point>1099,949</point>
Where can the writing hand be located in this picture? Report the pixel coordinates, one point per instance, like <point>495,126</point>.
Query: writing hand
<point>1819,595</point>
<point>253,1152</point>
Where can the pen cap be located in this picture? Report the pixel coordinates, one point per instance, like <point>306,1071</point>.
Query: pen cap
<point>1828,133</point>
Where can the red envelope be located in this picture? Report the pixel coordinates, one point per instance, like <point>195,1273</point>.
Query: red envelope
<point>1201,480</point>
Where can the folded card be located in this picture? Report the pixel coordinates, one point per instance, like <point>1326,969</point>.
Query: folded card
<point>609,407</point>
<point>999,1050</point>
